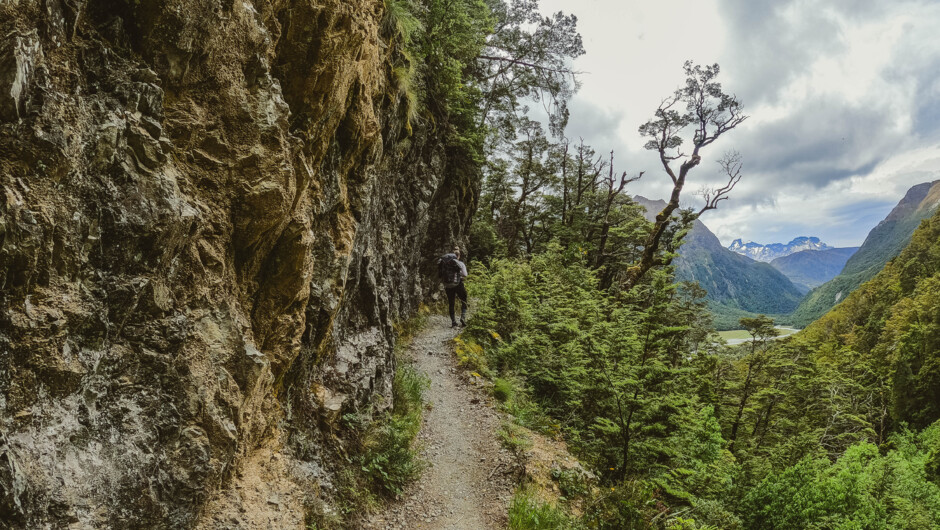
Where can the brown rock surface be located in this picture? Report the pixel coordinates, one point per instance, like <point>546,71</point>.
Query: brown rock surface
<point>208,221</point>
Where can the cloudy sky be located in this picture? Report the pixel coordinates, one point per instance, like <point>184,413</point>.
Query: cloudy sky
<point>844,99</point>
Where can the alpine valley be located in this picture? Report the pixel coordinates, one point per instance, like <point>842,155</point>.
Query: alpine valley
<point>883,243</point>
<point>796,282</point>
<point>737,285</point>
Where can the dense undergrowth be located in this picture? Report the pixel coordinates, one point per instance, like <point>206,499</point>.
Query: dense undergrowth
<point>834,428</point>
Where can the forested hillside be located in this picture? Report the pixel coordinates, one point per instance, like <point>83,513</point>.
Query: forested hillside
<point>829,429</point>
<point>836,427</point>
<point>884,242</point>
<point>892,324</point>
<point>736,286</point>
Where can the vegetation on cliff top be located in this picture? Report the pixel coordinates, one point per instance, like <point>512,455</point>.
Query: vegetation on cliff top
<point>471,67</point>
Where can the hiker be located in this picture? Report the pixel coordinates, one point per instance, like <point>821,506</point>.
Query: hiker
<point>452,272</point>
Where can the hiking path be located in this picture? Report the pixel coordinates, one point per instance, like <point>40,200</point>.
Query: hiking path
<point>468,482</point>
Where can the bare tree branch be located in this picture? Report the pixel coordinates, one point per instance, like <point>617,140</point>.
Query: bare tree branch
<point>711,113</point>
<point>731,164</point>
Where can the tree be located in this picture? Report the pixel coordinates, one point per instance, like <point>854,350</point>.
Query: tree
<point>710,113</point>
<point>760,328</point>
<point>527,57</point>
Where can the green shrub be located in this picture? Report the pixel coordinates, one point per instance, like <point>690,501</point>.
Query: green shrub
<point>502,390</point>
<point>527,512</point>
<point>389,463</point>
<point>572,482</point>
<point>514,438</point>
<point>528,414</point>
<point>387,460</point>
<point>408,390</point>
<point>470,355</point>
<point>630,504</point>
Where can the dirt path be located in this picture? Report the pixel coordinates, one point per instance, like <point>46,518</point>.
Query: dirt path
<point>467,484</point>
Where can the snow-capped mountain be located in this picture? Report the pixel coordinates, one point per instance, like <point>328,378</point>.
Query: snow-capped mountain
<point>768,253</point>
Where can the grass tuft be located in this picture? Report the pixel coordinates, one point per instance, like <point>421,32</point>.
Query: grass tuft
<point>502,390</point>
<point>527,512</point>
<point>388,461</point>
<point>514,438</point>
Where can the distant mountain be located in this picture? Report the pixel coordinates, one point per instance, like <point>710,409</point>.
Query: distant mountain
<point>883,243</point>
<point>768,253</point>
<point>737,285</point>
<point>812,268</point>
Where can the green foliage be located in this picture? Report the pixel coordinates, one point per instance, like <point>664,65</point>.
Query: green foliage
<point>630,504</point>
<point>689,434</point>
<point>527,512</point>
<point>387,460</point>
<point>862,489</point>
<point>502,390</point>
<point>408,390</point>
<point>401,26</point>
<point>524,37</point>
<point>894,321</point>
<point>468,66</point>
<point>727,318</point>
<point>454,35</point>
<point>528,413</point>
<point>514,438</point>
<point>571,482</point>
<point>400,21</point>
<point>470,355</point>
<point>616,368</point>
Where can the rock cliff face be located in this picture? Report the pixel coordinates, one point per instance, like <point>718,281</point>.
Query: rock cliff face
<point>211,213</point>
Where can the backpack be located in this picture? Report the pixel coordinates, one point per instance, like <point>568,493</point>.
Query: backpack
<point>449,270</point>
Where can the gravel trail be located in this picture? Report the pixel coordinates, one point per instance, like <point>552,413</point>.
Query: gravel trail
<point>468,483</point>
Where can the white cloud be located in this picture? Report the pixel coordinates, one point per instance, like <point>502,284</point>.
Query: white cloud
<point>844,98</point>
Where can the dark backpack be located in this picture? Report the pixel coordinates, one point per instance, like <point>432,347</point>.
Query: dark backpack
<point>449,270</point>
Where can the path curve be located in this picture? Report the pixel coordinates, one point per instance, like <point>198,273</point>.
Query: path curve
<point>468,483</point>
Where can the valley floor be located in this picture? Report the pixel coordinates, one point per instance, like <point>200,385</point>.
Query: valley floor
<point>468,483</point>
<point>740,336</point>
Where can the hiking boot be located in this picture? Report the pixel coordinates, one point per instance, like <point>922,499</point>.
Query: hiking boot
<point>453,323</point>
<point>462,323</point>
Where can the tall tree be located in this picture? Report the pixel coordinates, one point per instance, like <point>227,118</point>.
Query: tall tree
<point>528,58</point>
<point>709,113</point>
<point>761,328</point>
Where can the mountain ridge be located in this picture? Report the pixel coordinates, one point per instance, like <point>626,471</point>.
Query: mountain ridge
<point>769,252</point>
<point>885,241</point>
<point>811,268</point>
<point>737,285</point>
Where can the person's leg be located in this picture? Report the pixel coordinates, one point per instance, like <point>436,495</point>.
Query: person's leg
<point>461,293</point>
<point>451,295</point>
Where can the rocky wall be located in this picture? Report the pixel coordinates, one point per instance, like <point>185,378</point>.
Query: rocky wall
<point>211,213</point>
